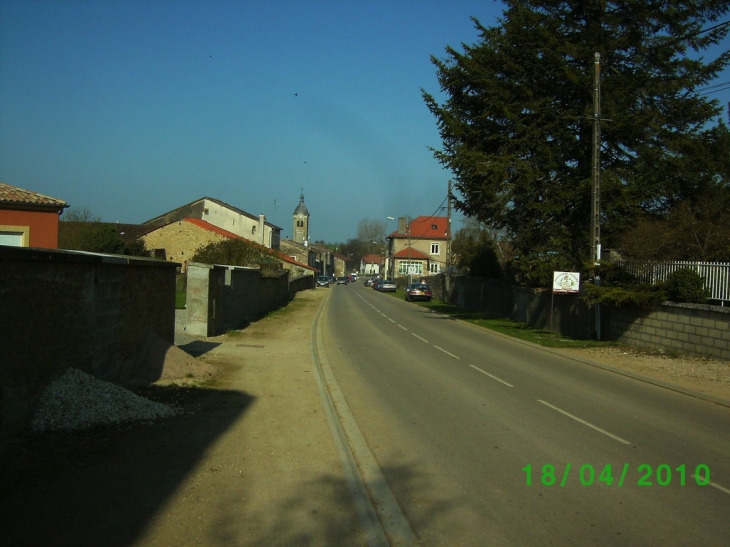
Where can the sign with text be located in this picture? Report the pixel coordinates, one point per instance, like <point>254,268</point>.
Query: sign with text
<point>566,282</point>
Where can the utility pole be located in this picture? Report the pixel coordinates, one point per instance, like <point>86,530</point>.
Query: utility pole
<point>447,279</point>
<point>596,194</point>
<point>596,163</point>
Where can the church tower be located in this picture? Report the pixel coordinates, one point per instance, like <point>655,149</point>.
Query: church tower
<point>300,225</point>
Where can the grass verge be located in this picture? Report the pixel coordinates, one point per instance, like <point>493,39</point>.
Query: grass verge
<point>507,326</point>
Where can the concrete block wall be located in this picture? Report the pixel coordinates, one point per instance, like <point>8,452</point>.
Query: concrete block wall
<point>241,296</point>
<point>683,328</point>
<point>62,309</point>
<point>204,290</point>
<point>274,293</point>
<point>220,298</point>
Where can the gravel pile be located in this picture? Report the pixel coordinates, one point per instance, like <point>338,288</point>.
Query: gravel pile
<point>78,400</point>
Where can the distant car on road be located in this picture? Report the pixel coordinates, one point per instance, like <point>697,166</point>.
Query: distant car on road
<point>342,281</point>
<point>323,281</point>
<point>418,291</point>
<point>387,286</point>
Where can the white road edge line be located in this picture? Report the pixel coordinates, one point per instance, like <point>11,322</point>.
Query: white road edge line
<point>447,352</point>
<point>422,339</point>
<point>710,483</point>
<point>619,439</point>
<point>491,376</point>
<point>389,319</point>
<point>405,329</point>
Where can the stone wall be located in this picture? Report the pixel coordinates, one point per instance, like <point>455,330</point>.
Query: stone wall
<point>683,328</point>
<point>180,240</point>
<point>62,309</point>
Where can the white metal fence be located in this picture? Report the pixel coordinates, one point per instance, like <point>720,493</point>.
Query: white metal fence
<point>716,274</point>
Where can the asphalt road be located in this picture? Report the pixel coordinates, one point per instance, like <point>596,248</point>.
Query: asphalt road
<point>484,440</point>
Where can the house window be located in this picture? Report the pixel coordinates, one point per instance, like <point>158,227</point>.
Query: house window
<point>15,236</point>
<point>406,267</point>
<point>435,248</point>
<point>434,267</point>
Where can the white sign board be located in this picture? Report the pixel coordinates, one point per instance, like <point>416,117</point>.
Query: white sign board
<point>566,281</point>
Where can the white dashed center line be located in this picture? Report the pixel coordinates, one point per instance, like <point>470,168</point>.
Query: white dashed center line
<point>619,439</point>
<point>491,376</point>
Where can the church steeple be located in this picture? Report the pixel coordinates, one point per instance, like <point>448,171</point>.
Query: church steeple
<point>300,224</point>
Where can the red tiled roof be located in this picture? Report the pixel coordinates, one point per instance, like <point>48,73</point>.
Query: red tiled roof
<point>410,252</point>
<point>220,231</point>
<point>211,228</point>
<point>18,196</point>
<point>425,228</point>
<point>372,259</point>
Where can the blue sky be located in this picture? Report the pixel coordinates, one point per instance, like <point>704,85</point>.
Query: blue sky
<point>132,108</point>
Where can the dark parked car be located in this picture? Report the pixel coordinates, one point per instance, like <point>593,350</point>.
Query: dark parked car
<point>323,281</point>
<point>342,281</point>
<point>418,291</point>
<point>375,283</point>
<point>387,286</point>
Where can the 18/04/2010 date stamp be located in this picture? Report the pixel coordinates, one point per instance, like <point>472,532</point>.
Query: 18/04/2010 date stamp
<point>643,475</point>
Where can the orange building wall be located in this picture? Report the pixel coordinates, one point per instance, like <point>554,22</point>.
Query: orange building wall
<point>43,226</point>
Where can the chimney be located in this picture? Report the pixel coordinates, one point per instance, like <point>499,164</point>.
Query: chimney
<point>261,230</point>
<point>401,225</point>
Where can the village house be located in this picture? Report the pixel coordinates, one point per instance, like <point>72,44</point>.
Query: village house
<point>418,247</point>
<point>28,219</point>
<point>371,264</point>
<point>179,240</point>
<point>225,216</point>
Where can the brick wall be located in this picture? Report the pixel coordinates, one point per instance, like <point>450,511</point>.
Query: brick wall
<point>61,309</point>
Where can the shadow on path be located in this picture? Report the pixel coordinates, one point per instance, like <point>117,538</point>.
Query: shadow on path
<point>103,486</point>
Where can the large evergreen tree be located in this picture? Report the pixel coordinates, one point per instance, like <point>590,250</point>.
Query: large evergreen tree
<point>517,120</point>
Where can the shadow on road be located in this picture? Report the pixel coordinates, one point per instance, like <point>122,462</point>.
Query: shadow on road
<point>103,486</point>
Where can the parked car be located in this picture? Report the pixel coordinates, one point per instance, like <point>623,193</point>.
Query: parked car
<point>342,281</point>
<point>375,283</point>
<point>418,291</point>
<point>323,281</point>
<point>368,282</point>
<point>332,279</point>
<point>387,286</point>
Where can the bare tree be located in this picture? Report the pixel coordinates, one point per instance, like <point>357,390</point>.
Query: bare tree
<point>371,232</point>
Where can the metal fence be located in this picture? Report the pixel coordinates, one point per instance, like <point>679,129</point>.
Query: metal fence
<point>716,274</point>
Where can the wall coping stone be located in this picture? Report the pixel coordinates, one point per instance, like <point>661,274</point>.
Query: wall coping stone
<point>703,307</point>
<point>31,254</point>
